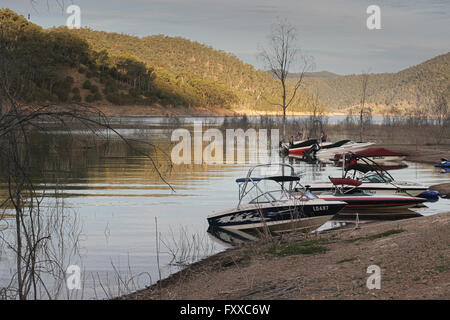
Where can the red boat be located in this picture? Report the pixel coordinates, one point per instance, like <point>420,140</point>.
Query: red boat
<point>299,147</point>
<point>360,200</point>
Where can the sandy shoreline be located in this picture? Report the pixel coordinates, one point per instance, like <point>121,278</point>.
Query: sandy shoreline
<point>159,111</point>
<point>181,111</point>
<point>420,153</point>
<point>413,254</point>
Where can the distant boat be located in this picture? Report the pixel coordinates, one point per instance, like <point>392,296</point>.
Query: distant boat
<point>326,153</point>
<point>297,148</point>
<point>445,163</point>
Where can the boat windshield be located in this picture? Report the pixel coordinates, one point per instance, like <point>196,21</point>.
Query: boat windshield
<point>269,196</point>
<point>310,195</point>
<point>375,178</point>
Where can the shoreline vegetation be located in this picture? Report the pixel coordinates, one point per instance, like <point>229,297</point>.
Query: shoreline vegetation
<point>413,255</point>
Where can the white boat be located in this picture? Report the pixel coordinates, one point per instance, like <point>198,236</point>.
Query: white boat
<point>277,210</point>
<point>326,153</point>
<point>298,148</point>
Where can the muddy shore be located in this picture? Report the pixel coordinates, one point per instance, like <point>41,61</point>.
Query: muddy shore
<point>160,111</point>
<point>444,189</point>
<point>413,254</point>
<point>430,154</point>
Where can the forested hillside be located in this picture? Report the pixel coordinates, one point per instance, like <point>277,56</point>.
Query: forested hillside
<point>415,87</point>
<point>63,65</point>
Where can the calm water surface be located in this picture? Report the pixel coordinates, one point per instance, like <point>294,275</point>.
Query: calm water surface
<point>118,195</point>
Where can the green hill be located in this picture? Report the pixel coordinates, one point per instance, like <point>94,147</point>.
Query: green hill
<point>414,87</point>
<point>97,67</point>
<point>63,65</point>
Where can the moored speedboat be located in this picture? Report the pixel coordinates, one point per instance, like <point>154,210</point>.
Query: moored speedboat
<point>277,210</point>
<point>373,177</point>
<point>327,152</point>
<point>347,190</point>
<point>298,148</point>
<point>376,184</point>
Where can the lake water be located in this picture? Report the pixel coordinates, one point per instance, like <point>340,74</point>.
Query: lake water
<point>121,201</point>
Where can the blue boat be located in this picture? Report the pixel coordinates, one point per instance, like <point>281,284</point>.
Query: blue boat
<point>445,163</point>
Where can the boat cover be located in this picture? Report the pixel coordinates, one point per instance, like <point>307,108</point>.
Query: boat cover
<point>374,152</point>
<point>377,152</point>
<point>345,181</point>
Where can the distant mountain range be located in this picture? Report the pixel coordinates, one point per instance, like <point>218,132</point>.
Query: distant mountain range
<point>414,87</point>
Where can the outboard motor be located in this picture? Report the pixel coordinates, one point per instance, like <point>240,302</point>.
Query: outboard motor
<point>311,152</point>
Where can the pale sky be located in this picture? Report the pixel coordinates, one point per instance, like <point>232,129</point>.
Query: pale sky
<point>334,32</point>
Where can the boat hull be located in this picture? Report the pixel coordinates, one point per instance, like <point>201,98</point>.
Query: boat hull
<point>277,218</point>
<point>374,188</point>
<point>377,215</point>
<point>375,202</point>
<point>298,151</point>
<point>327,155</point>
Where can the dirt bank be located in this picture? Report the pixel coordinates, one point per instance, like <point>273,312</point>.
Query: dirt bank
<point>413,254</point>
<point>444,189</point>
<point>160,111</point>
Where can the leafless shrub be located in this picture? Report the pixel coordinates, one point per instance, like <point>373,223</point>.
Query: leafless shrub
<point>185,248</point>
<point>121,282</point>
